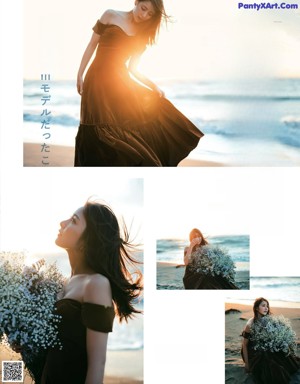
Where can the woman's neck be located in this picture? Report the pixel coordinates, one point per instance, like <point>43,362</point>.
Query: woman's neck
<point>82,271</point>
<point>78,265</point>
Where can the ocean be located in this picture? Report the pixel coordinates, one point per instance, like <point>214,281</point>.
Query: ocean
<point>246,123</point>
<point>281,291</point>
<point>171,250</point>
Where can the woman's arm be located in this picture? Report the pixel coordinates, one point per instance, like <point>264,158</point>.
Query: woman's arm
<point>85,60</point>
<point>97,291</point>
<point>245,343</point>
<point>187,255</point>
<point>90,49</point>
<point>96,350</point>
<point>188,250</point>
<point>245,353</point>
<point>132,67</point>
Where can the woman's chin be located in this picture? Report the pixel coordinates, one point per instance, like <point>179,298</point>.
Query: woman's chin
<point>57,242</point>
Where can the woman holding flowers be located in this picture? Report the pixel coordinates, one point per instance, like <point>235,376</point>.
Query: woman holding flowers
<point>100,287</point>
<point>269,346</point>
<point>207,266</point>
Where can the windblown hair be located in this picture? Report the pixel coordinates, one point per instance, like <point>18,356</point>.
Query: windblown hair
<point>109,254</point>
<point>150,29</point>
<point>257,303</point>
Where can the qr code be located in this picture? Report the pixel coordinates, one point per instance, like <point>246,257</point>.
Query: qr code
<point>12,371</point>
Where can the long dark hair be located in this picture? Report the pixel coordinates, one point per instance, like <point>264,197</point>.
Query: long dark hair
<point>149,30</point>
<point>257,303</point>
<point>107,253</point>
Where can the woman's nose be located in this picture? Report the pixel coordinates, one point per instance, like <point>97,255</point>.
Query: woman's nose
<point>145,15</point>
<point>63,223</point>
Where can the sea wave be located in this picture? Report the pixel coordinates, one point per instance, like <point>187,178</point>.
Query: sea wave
<point>275,282</point>
<point>171,250</point>
<point>233,115</point>
<point>236,97</point>
<point>60,119</point>
<point>291,133</point>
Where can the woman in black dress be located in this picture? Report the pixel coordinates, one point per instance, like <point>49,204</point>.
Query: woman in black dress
<point>196,279</point>
<point>100,287</point>
<point>125,122</point>
<point>266,366</point>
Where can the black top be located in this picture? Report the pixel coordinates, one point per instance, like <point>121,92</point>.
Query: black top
<point>270,367</point>
<point>69,364</point>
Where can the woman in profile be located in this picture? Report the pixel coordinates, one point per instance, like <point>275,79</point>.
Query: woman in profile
<point>266,365</point>
<point>198,278</point>
<point>125,118</point>
<point>100,287</point>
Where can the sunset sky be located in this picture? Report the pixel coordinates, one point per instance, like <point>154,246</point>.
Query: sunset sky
<point>205,41</point>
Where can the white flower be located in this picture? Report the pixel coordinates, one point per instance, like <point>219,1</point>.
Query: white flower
<point>27,298</point>
<point>274,334</point>
<point>213,260</point>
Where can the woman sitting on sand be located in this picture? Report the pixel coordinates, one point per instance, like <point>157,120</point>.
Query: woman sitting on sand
<point>201,261</point>
<point>269,346</point>
<point>100,287</point>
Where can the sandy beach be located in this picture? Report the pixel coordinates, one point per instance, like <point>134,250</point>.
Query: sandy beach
<point>59,156</point>
<point>63,156</point>
<point>235,321</point>
<point>170,277</point>
<point>122,367</point>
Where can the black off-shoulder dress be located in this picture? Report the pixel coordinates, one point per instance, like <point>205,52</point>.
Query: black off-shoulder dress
<point>199,280</point>
<point>69,364</point>
<point>122,122</point>
<point>270,367</point>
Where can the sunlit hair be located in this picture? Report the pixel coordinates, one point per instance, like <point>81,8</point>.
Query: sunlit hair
<point>256,305</point>
<point>107,253</point>
<point>150,29</point>
<point>199,233</point>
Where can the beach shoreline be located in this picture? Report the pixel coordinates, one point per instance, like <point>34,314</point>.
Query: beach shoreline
<point>63,156</point>
<point>170,275</point>
<point>235,321</point>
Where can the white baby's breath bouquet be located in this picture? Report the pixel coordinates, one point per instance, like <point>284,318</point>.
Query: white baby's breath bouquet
<point>213,260</point>
<point>27,316</point>
<point>273,334</point>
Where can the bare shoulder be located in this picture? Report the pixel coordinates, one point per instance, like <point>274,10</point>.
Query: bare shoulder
<point>98,290</point>
<point>249,324</point>
<point>107,16</point>
<point>110,16</point>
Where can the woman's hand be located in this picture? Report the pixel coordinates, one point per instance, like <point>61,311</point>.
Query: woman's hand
<point>247,368</point>
<point>195,241</point>
<point>79,85</point>
<point>188,250</point>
